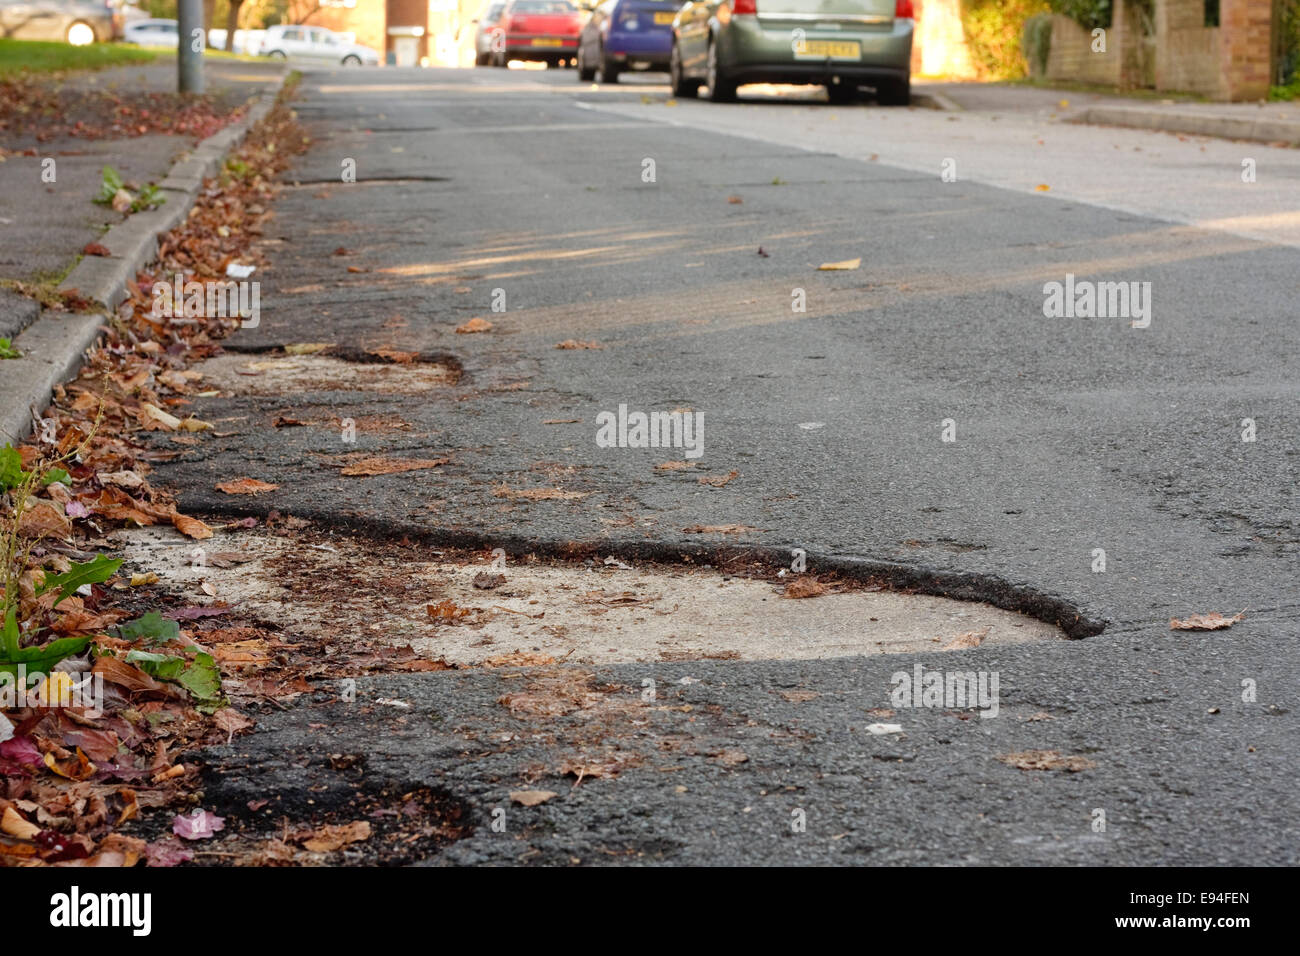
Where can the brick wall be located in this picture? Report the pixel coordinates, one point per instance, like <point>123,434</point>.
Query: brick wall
<point>1187,51</point>
<point>1245,48</point>
<point>1071,56</point>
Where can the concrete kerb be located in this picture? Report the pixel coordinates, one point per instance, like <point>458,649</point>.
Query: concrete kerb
<point>54,346</point>
<point>1193,124</point>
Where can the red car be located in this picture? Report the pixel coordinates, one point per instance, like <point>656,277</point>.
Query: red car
<point>537,30</point>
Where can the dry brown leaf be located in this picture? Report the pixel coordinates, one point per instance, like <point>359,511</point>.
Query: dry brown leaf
<point>531,798</point>
<point>1046,760</point>
<point>475,324</point>
<point>306,348</point>
<point>44,520</point>
<point>447,610</point>
<point>246,486</point>
<point>575,344</point>
<point>1214,621</point>
<point>804,588</point>
<point>719,481</point>
<point>367,467</point>
<point>126,675</point>
<point>486,581</point>
<point>190,527</point>
<point>329,837</point>
<point>519,659</point>
<point>846,265</point>
<point>735,200</point>
<point>966,640</point>
<point>800,696</point>
<point>395,355</point>
<point>674,465</point>
<point>731,758</point>
<point>717,529</point>
<point>538,494</point>
<point>13,824</point>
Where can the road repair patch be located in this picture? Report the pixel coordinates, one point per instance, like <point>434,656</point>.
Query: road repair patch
<point>472,609</point>
<point>238,374</point>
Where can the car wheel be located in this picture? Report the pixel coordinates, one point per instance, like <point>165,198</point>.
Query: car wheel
<point>277,55</point>
<point>480,59</point>
<point>80,33</point>
<point>608,69</point>
<point>896,93</point>
<point>351,60</point>
<point>721,89</point>
<point>681,86</point>
<point>499,59</point>
<point>585,73</point>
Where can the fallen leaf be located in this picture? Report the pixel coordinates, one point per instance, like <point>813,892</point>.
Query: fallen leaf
<point>1214,621</point>
<point>139,580</point>
<point>538,494</point>
<point>735,200</point>
<point>967,640</point>
<point>1046,760</point>
<point>307,348</point>
<point>804,588</point>
<point>246,486</point>
<point>333,837</point>
<point>95,249</point>
<point>717,529</point>
<point>1042,188</point>
<point>190,527</point>
<point>880,729</point>
<point>731,758</point>
<point>74,768</point>
<point>125,675</point>
<point>844,266</point>
<point>674,465</point>
<point>13,824</point>
<point>575,344</point>
<point>719,481</point>
<point>531,798</point>
<point>475,324</point>
<point>199,825</point>
<point>394,355</point>
<point>390,466</point>
<point>801,696</point>
<point>486,581</point>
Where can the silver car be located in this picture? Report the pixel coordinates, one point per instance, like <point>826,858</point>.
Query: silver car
<point>485,28</point>
<point>79,22</point>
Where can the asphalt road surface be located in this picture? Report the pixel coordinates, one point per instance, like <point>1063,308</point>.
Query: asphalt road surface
<point>678,237</point>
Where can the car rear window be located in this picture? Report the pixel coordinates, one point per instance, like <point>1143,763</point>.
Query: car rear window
<point>829,8</point>
<point>543,6</point>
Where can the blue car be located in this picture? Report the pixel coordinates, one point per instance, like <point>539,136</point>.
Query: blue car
<point>626,35</point>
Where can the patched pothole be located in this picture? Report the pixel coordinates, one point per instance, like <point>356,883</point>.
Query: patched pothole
<point>458,607</point>
<point>280,375</point>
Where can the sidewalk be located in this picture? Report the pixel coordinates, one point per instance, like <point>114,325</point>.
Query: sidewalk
<point>1264,122</point>
<point>123,117</point>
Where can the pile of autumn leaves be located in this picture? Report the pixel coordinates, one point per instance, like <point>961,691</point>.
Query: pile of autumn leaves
<point>71,779</point>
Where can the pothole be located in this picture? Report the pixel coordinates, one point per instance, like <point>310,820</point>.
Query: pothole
<point>457,607</point>
<point>248,375</point>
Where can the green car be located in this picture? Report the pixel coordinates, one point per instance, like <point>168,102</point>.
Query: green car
<point>839,44</point>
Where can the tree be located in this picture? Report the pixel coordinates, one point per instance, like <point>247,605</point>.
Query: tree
<point>232,23</point>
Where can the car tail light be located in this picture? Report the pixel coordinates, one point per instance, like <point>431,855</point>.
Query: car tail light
<point>744,6</point>
<point>903,10</point>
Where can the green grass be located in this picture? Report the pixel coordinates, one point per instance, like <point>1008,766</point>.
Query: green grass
<point>39,56</point>
<point>1289,92</point>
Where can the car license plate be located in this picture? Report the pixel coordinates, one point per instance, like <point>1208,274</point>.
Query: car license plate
<point>664,17</point>
<point>547,41</point>
<point>834,49</point>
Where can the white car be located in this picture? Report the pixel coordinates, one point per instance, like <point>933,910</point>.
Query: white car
<point>151,32</point>
<point>315,44</point>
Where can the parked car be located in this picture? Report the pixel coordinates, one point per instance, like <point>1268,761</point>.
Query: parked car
<point>544,30</point>
<point>485,28</point>
<point>840,44</point>
<point>315,44</point>
<point>246,41</point>
<point>150,32</point>
<point>626,35</point>
<point>79,22</point>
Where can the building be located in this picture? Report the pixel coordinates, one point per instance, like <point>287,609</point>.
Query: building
<point>407,32</point>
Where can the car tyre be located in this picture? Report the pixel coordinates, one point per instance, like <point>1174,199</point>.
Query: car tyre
<point>278,55</point>
<point>585,73</point>
<point>351,60</point>
<point>681,86</point>
<point>481,59</point>
<point>895,93</point>
<point>721,89</point>
<point>608,69</point>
